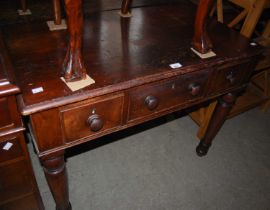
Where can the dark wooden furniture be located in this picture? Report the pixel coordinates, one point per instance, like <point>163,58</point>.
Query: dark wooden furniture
<point>18,188</point>
<point>257,92</point>
<point>129,59</point>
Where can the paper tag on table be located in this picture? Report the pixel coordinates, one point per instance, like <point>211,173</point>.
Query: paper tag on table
<point>77,85</point>
<point>205,55</point>
<point>7,146</point>
<point>175,65</point>
<point>37,90</point>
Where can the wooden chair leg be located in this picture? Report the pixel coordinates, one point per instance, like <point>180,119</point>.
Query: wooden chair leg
<point>208,112</point>
<point>238,18</point>
<point>252,18</point>
<point>201,40</point>
<point>265,106</point>
<point>73,65</point>
<point>213,10</point>
<point>57,12</point>
<point>23,5</point>
<point>266,31</point>
<point>220,11</point>
<point>218,7</point>
<point>266,35</point>
<point>125,8</point>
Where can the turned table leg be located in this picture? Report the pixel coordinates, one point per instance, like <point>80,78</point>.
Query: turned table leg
<point>57,12</point>
<point>222,110</point>
<point>56,175</point>
<point>201,41</point>
<point>73,65</point>
<point>125,8</point>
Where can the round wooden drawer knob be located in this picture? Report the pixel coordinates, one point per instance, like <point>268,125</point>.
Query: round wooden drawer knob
<point>151,102</point>
<point>95,122</point>
<point>194,89</point>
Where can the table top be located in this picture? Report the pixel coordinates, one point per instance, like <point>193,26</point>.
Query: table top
<point>119,53</point>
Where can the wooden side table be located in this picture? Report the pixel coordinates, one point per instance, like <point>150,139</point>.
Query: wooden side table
<point>145,70</point>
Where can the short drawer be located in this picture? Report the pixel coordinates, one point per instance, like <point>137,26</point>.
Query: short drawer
<point>90,117</point>
<point>10,149</point>
<point>226,77</point>
<point>15,181</point>
<point>149,99</point>
<point>9,115</point>
<point>5,114</point>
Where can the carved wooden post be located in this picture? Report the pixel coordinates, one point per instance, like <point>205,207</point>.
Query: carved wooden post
<point>125,8</point>
<point>56,175</point>
<point>201,41</point>
<point>73,66</point>
<point>57,12</point>
<point>222,110</point>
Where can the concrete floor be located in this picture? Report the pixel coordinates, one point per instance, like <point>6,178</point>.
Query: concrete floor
<point>154,167</point>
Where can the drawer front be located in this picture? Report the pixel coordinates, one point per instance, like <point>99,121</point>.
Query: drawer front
<point>5,114</point>
<point>84,119</point>
<point>150,99</point>
<point>229,77</point>
<point>10,149</point>
<point>9,115</point>
<point>15,181</point>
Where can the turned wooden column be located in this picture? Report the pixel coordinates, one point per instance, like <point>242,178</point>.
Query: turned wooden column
<point>57,12</point>
<point>221,112</point>
<point>56,175</point>
<point>73,65</point>
<point>125,8</point>
<point>201,41</point>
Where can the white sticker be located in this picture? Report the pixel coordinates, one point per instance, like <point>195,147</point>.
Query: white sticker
<point>175,65</point>
<point>37,90</point>
<point>7,146</point>
<point>253,44</point>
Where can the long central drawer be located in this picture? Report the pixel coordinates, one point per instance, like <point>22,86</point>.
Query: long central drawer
<point>149,99</point>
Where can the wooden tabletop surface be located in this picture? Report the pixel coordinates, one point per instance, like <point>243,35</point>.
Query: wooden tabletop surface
<point>119,53</point>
